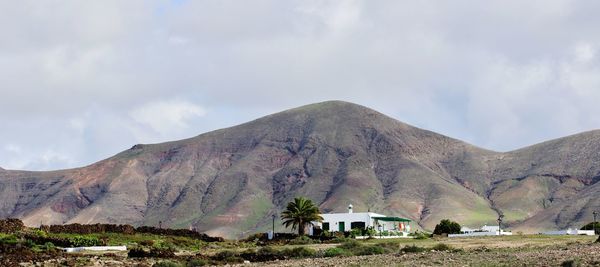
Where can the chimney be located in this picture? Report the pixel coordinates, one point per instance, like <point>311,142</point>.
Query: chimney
<point>350,208</point>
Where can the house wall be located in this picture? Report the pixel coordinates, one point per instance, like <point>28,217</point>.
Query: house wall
<point>335,218</point>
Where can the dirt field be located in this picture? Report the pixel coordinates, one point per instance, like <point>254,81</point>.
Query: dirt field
<point>480,251</point>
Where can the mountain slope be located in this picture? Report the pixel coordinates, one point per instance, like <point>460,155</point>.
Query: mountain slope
<point>229,182</point>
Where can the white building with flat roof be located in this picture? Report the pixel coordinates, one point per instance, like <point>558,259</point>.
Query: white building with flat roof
<point>343,222</point>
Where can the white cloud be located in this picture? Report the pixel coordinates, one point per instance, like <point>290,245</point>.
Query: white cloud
<point>584,52</point>
<point>167,117</point>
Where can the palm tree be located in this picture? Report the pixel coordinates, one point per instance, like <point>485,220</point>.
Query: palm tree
<point>299,213</point>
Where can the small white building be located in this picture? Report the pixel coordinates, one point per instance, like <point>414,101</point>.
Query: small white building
<point>486,228</point>
<point>483,231</point>
<point>343,222</point>
<point>570,232</point>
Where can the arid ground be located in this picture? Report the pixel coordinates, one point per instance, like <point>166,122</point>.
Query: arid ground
<point>529,250</point>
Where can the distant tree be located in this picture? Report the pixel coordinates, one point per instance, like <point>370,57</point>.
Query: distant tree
<point>300,213</point>
<point>447,227</point>
<point>590,226</point>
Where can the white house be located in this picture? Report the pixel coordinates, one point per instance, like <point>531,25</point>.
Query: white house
<point>483,231</point>
<point>342,222</point>
<point>487,228</point>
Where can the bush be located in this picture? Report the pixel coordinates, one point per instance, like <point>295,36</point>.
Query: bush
<point>355,232</point>
<point>84,241</point>
<point>166,264</point>
<point>302,240</point>
<point>447,227</point>
<point>228,256</point>
<point>338,240</point>
<point>8,239</point>
<point>153,253</point>
<point>419,235</point>
<point>442,247</point>
<point>137,253</point>
<point>368,250</point>
<point>371,232</point>
<point>571,263</point>
<point>413,249</point>
<point>390,247</point>
<point>49,246</point>
<point>335,252</point>
<point>147,243</point>
<point>350,244</point>
<point>299,252</point>
<point>197,263</point>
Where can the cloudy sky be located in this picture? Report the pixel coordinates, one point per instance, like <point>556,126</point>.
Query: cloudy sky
<point>83,80</point>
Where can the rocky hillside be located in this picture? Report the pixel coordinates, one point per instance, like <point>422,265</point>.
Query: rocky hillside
<point>229,182</point>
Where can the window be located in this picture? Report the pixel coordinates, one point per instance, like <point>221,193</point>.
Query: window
<point>359,225</point>
<point>325,226</point>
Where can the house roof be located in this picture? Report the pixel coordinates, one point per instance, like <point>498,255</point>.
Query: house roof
<point>391,219</point>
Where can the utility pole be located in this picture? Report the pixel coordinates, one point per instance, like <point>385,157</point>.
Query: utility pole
<point>274,225</point>
<point>500,223</point>
<point>595,213</point>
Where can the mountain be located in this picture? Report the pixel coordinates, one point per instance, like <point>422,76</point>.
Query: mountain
<point>230,182</point>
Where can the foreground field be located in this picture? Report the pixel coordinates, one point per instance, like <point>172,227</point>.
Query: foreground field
<point>533,250</point>
<point>490,251</point>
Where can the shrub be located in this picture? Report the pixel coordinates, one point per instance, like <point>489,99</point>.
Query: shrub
<point>350,244</point>
<point>447,227</point>
<point>153,253</point>
<point>325,234</point>
<point>371,232</point>
<point>49,246</point>
<point>166,264</point>
<point>228,256</point>
<point>299,252</point>
<point>390,247</point>
<point>137,253</point>
<point>420,235</point>
<point>147,243</point>
<point>8,239</point>
<point>413,249</point>
<point>368,250</point>
<point>355,232</point>
<point>164,245</point>
<point>338,240</point>
<point>29,243</point>
<point>335,252</point>
<point>442,247</point>
<point>302,240</point>
<point>571,263</point>
<point>197,263</point>
<point>39,233</point>
<point>84,241</point>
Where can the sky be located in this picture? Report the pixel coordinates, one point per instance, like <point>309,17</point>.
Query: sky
<point>83,80</point>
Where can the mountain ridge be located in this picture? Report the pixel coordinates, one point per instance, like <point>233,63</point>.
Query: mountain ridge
<point>334,152</point>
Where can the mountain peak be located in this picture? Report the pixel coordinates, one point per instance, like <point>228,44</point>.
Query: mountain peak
<point>330,106</point>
